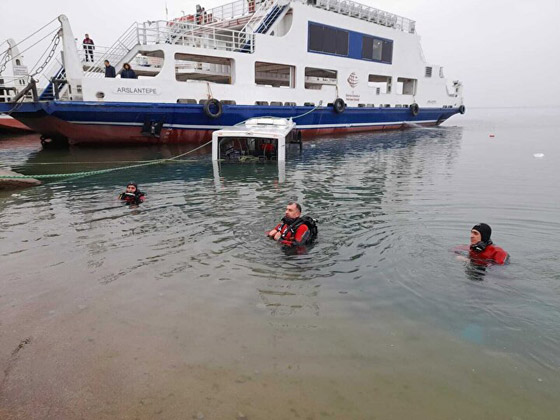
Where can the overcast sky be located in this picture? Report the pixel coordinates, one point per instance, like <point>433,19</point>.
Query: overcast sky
<point>506,52</point>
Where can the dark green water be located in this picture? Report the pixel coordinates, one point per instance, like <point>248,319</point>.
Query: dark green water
<point>181,307</point>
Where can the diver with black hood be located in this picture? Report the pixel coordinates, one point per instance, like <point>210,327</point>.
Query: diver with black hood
<point>132,194</point>
<point>482,249</point>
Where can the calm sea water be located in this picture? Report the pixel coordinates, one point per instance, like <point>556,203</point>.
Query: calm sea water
<point>181,308</point>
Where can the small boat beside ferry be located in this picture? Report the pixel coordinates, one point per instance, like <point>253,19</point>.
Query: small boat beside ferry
<point>332,66</point>
<point>10,85</point>
<point>11,125</point>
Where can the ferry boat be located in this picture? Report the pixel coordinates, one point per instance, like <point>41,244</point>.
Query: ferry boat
<point>329,65</point>
<point>10,85</point>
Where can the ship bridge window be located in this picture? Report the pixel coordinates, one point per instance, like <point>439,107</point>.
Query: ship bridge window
<point>428,72</point>
<point>147,63</point>
<point>275,75</point>
<point>327,39</point>
<point>192,67</point>
<point>406,86</point>
<point>441,72</point>
<point>317,78</point>
<point>381,83</point>
<point>377,49</point>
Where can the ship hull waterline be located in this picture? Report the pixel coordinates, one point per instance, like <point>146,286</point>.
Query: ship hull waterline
<point>92,123</point>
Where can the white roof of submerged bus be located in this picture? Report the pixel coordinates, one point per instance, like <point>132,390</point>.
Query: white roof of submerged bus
<point>259,127</point>
<point>268,121</point>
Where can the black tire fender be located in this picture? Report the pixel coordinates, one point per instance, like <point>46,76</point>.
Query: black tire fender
<point>213,108</point>
<point>462,109</point>
<point>414,109</point>
<point>339,106</point>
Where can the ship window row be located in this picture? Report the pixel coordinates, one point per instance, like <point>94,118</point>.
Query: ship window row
<point>324,39</point>
<point>190,67</point>
<point>280,103</point>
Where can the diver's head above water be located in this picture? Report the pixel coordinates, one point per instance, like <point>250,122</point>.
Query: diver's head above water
<point>131,187</point>
<point>293,211</point>
<point>132,195</point>
<point>480,233</point>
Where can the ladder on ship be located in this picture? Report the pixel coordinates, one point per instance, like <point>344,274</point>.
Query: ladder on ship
<point>50,93</point>
<point>263,19</point>
<point>270,19</point>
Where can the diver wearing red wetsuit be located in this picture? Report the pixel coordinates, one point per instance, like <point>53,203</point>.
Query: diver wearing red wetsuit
<point>132,195</point>
<point>482,250</point>
<point>288,231</point>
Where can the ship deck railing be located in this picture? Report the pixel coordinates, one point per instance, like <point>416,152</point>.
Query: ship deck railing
<point>10,86</point>
<point>242,9</point>
<point>230,11</point>
<point>367,13</point>
<point>164,32</point>
<point>180,33</point>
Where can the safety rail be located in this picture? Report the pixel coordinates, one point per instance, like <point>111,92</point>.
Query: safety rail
<point>243,8</point>
<point>258,15</point>
<point>228,11</point>
<point>255,22</point>
<point>200,36</point>
<point>363,12</point>
<point>167,32</point>
<point>90,57</point>
<point>115,53</point>
<point>10,86</point>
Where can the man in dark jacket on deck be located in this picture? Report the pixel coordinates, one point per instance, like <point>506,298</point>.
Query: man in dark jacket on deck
<point>109,70</point>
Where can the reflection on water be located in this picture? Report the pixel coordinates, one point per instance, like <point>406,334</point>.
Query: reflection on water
<point>194,257</point>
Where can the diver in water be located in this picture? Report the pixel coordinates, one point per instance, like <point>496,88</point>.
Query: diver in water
<point>132,194</point>
<point>482,250</point>
<point>294,229</point>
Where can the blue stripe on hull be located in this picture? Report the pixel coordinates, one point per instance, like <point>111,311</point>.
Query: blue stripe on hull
<point>120,123</point>
<point>186,115</point>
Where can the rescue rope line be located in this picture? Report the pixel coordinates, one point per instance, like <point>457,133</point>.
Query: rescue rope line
<point>105,162</point>
<point>104,171</point>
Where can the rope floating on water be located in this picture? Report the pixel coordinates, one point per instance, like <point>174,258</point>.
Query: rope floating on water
<point>104,171</point>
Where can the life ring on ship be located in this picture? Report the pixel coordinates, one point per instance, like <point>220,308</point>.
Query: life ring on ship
<point>414,109</point>
<point>213,108</point>
<point>462,109</point>
<point>339,106</point>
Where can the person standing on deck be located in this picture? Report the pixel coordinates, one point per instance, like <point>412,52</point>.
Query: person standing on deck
<point>127,72</point>
<point>88,46</point>
<point>109,70</point>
